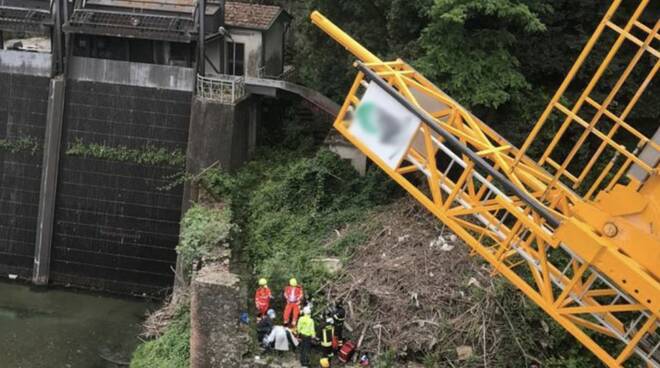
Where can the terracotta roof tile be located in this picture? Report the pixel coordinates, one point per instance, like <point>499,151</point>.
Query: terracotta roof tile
<point>250,15</point>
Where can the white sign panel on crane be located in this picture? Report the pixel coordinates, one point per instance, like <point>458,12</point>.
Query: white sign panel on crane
<point>384,125</point>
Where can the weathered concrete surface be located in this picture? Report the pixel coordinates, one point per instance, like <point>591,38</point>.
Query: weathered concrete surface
<point>270,87</point>
<point>23,111</point>
<point>217,339</point>
<point>117,222</point>
<point>174,78</point>
<point>340,146</point>
<point>217,133</point>
<point>48,193</point>
<point>22,62</point>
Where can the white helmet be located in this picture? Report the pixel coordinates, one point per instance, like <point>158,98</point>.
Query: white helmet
<point>307,310</point>
<point>329,320</point>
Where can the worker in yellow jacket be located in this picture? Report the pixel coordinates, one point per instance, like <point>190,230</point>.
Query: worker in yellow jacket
<point>307,332</point>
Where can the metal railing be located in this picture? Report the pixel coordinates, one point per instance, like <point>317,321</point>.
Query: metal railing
<point>286,74</point>
<point>226,89</point>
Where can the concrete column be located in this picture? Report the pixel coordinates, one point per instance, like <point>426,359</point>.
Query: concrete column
<point>49,172</point>
<point>217,339</point>
<point>217,134</point>
<point>255,118</point>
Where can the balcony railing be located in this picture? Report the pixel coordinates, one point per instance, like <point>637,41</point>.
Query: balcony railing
<point>286,75</point>
<point>226,89</point>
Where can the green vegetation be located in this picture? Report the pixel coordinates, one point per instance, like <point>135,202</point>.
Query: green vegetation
<point>289,203</point>
<point>172,349</point>
<point>502,59</point>
<point>147,155</point>
<point>203,229</point>
<point>26,144</point>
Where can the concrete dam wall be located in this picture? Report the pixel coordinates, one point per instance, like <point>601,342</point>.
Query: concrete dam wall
<point>23,106</point>
<point>123,143</point>
<point>116,221</point>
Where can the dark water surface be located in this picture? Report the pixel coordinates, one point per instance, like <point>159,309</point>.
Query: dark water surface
<point>59,328</point>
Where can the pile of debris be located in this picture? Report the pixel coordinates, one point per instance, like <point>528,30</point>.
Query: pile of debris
<point>414,289</point>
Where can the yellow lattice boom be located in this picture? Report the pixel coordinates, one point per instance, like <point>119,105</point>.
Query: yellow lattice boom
<point>581,240</point>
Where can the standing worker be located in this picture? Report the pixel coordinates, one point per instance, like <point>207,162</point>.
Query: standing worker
<point>327,335</point>
<point>293,295</point>
<point>307,332</point>
<point>339,315</point>
<point>262,298</point>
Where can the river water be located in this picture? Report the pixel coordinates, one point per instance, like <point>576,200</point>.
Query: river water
<point>60,328</point>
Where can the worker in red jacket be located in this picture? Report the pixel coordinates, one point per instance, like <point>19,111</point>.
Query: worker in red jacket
<point>293,295</point>
<point>262,298</point>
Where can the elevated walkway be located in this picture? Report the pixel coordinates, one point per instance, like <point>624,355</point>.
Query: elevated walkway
<point>271,87</point>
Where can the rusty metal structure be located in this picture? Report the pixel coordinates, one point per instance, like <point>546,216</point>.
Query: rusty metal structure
<point>167,20</point>
<point>26,15</point>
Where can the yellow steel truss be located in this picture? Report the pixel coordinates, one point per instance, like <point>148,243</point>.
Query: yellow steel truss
<point>591,259</point>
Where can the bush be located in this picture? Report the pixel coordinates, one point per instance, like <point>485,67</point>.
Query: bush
<point>289,204</point>
<point>203,229</point>
<point>172,350</point>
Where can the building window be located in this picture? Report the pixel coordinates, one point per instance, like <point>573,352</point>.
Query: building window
<point>235,58</point>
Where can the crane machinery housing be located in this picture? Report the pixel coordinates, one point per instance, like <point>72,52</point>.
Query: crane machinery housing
<point>580,239</point>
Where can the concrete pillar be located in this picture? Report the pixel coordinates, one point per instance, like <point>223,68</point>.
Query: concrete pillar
<point>218,134</point>
<point>49,172</point>
<point>255,118</point>
<point>217,339</point>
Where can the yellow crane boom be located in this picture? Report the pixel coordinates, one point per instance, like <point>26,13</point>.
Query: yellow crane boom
<point>580,240</point>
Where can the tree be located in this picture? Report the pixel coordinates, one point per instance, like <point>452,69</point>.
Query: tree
<point>469,49</point>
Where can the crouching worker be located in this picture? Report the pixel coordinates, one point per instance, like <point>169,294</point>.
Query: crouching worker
<point>265,326</point>
<point>280,339</point>
<point>307,332</point>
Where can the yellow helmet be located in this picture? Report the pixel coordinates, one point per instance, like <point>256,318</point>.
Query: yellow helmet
<point>325,363</point>
<point>263,282</point>
<point>293,282</point>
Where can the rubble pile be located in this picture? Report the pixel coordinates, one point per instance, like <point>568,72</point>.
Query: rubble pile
<point>413,289</point>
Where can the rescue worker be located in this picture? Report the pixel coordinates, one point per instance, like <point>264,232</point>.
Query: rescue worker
<point>327,335</point>
<point>293,295</point>
<point>339,315</point>
<point>265,326</point>
<point>306,332</point>
<point>262,298</point>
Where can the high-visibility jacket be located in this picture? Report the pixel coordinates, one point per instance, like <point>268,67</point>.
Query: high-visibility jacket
<point>293,294</point>
<point>262,296</point>
<point>306,326</point>
<point>328,334</point>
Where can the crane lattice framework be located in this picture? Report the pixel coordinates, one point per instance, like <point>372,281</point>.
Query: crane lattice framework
<point>580,240</point>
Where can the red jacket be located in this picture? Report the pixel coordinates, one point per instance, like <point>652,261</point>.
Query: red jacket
<point>262,296</point>
<point>293,294</point>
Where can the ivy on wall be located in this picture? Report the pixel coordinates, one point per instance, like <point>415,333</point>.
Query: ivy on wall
<point>22,144</point>
<point>146,155</point>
